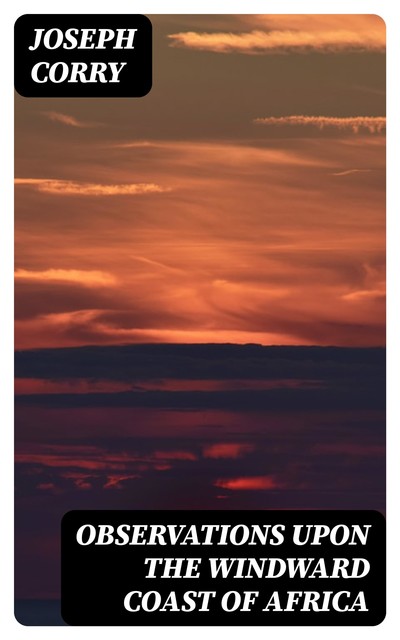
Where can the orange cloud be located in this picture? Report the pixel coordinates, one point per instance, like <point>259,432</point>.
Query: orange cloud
<point>365,294</point>
<point>254,483</point>
<point>227,450</point>
<point>374,289</point>
<point>373,124</point>
<point>76,276</point>
<point>309,37</point>
<point>67,329</point>
<point>69,187</point>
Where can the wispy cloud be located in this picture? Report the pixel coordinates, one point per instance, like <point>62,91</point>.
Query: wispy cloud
<point>350,172</point>
<point>69,121</point>
<point>217,284</point>
<point>86,464</point>
<point>114,481</point>
<point>77,276</point>
<point>282,41</point>
<point>373,124</point>
<point>95,463</point>
<point>133,144</point>
<point>365,294</point>
<point>69,187</point>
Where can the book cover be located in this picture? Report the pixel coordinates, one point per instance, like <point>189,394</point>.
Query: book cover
<point>200,280</point>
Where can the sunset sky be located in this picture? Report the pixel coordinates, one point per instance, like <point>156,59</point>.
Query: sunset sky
<point>160,241</point>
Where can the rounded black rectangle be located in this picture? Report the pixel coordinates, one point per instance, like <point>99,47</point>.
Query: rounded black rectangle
<point>196,567</point>
<point>83,56</point>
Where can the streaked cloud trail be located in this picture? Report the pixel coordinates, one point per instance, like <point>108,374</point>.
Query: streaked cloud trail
<point>76,276</point>
<point>69,187</point>
<point>281,41</point>
<point>349,172</point>
<point>373,124</point>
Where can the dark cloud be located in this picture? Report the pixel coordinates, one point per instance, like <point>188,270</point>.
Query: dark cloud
<point>33,299</point>
<point>202,361</point>
<point>306,478</point>
<point>112,309</point>
<point>318,460</point>
<point>337,397</point>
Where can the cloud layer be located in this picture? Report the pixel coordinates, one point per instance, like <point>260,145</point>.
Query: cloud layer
<point>254,243</point>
